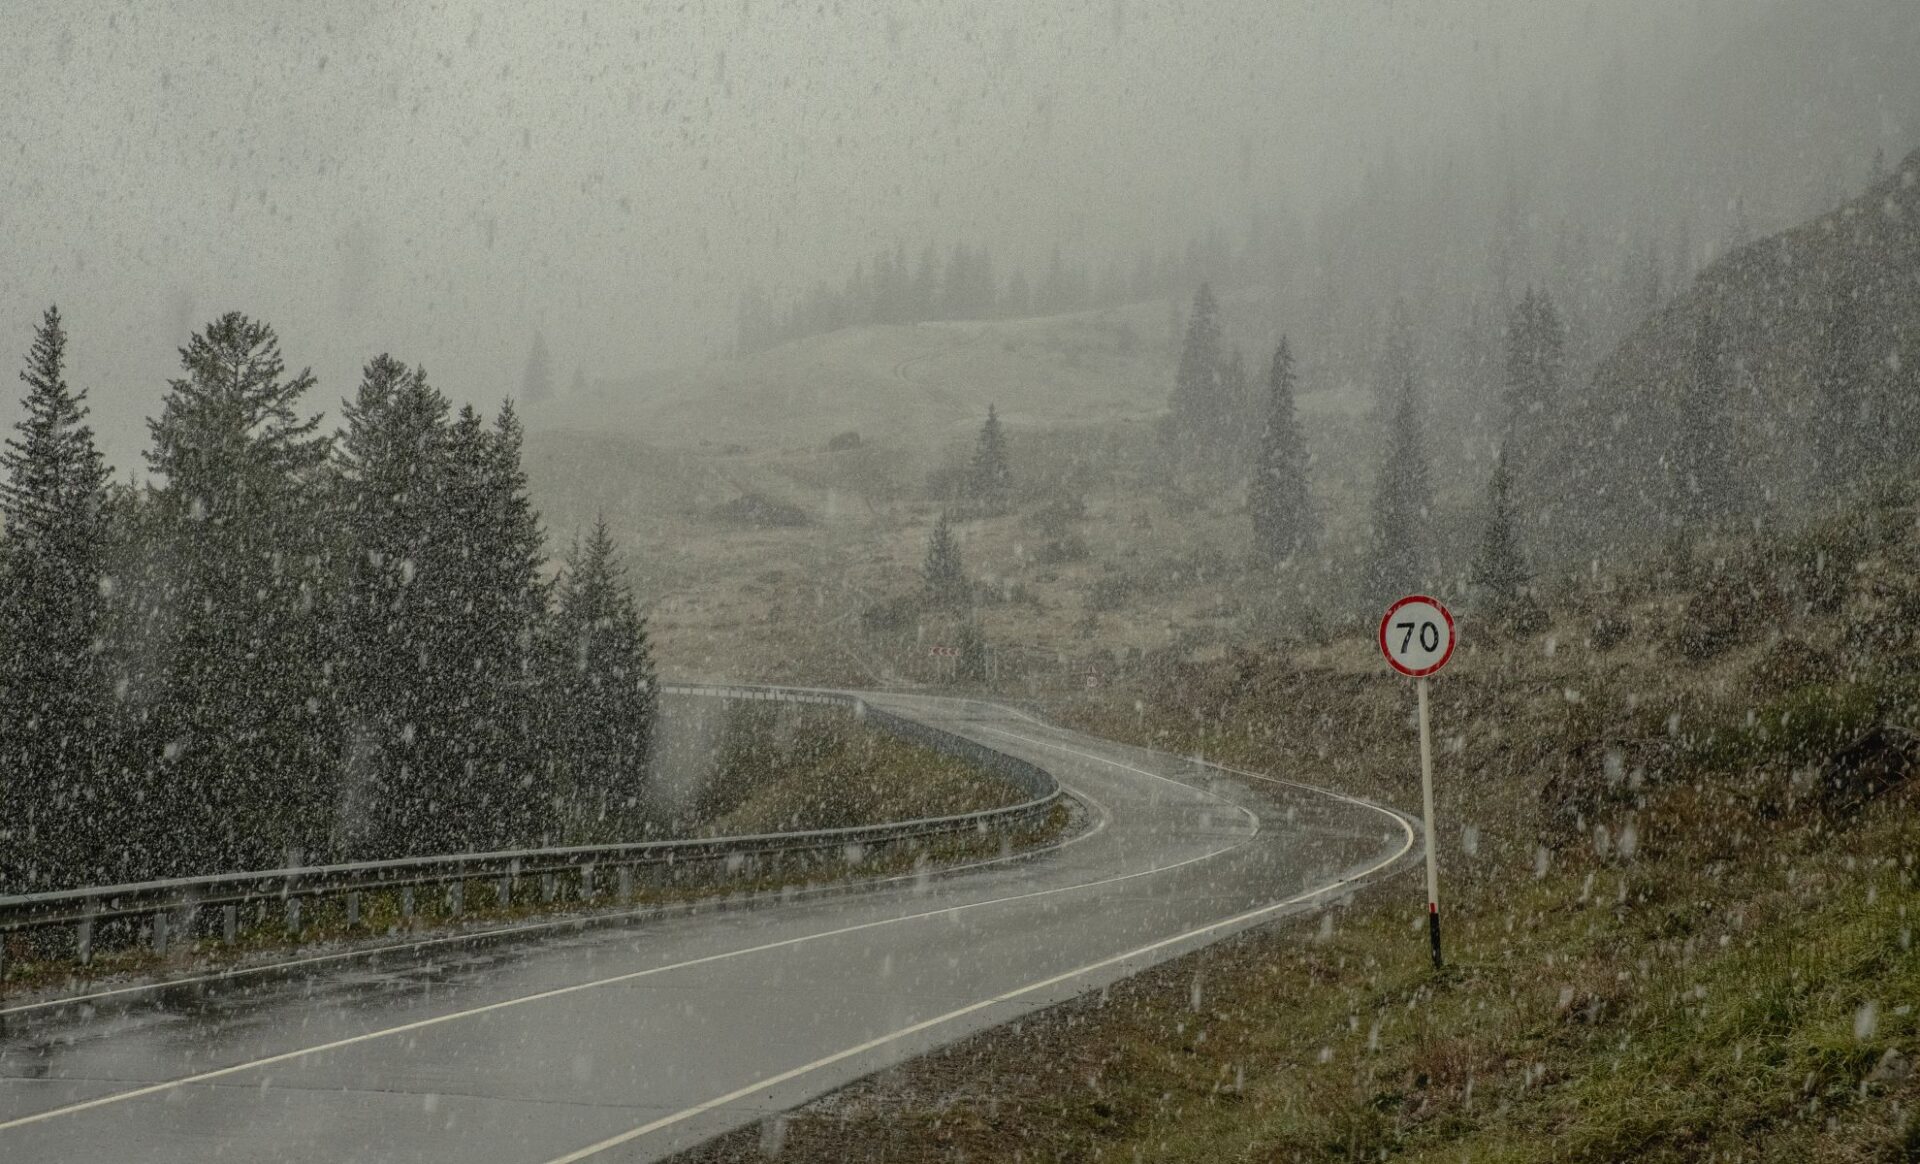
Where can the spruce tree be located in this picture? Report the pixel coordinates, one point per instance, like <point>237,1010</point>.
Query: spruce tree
<point>1278,498</point>
<point>602,696</point>
<point>1196,414</point>
<point>405,728</point>
<point>494,534</point>
<point>241,739</point>
<point>1702,462</point>
<point>1500,568</point>
<point>943,576</point>
<point>989,477</point>
<point>57,809</point>
<point>1402,502</point>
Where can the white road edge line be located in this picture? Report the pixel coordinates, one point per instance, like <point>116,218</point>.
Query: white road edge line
<point>557,992</point>
<point>705,1106</point>
<point>575,921</point>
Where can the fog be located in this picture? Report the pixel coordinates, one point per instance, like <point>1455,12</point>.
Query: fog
<point>442,182</point>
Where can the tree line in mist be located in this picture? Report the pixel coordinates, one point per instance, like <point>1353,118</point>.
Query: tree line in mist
<point>891,288</point>
<point>294,645</point>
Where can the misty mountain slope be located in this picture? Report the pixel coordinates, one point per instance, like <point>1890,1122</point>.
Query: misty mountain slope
<point>907,384</point>
<point>1839,295</point>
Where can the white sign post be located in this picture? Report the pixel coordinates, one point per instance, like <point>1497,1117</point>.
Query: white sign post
<point>1417,637</point>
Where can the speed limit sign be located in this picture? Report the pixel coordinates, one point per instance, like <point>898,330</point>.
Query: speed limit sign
<point>1417,637</point>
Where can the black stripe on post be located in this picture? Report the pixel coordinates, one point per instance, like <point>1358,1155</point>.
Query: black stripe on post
<point>1433,931</point>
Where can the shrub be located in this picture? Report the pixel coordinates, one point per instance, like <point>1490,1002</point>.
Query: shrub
<point>1609,630</point>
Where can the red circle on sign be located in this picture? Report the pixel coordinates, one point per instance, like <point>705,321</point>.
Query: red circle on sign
<point>1452,637</point>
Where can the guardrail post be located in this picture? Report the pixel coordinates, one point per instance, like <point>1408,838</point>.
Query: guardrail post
<point>456,897</point>
<point>586,882</point>
<point>83,937</point>
<point>293,914</point>
<point>406,906</point>
<point>626,884</point>
<point>160,933</point>
<point>505,892</point>
<point>549,888</point>
<point>353,909</point>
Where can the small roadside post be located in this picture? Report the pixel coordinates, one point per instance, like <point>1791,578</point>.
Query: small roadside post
<point>1417,637</point>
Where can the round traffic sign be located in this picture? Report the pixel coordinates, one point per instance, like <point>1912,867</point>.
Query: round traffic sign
<point>1417,636</point>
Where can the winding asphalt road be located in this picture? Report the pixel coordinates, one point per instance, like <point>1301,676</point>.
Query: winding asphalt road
<point>631,1042</point>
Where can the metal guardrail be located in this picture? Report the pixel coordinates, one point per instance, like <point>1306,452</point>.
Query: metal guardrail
<point>176,903</point>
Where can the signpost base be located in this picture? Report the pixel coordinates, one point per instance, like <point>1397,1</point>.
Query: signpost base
<point>1433,932</point>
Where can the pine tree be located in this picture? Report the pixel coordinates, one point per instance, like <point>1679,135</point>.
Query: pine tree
<point>1500,568</point>
<point>1278,498</point>
<point>536,382</point>
<point>1402,502</point>
<point>494,534</point>
<point>990,478</point>
<point>405,728</point>
<point>603,697</point>
<point>1703,459</point>
<point>56,709</point>
<point>241,739</point>
<point>943,576</point>
<point>1196,416</point>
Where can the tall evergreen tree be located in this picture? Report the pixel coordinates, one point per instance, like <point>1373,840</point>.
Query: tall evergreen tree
<point>1278,498</point>
<point>602,695</point>
<point>990,477</point>
<point>406,733</point>
<point>943,575</point>
<point>1702,460</point>
<point>1197,414</point>
<point>56,708</point>
<point>1500,568</point>
<point>536,382</point>
<point>1402,502</point>
<point>241,739</point>
<point>495,536</point>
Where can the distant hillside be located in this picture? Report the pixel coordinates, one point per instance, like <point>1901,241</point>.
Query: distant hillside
<point>1610,480</point>
<point>910,384</point>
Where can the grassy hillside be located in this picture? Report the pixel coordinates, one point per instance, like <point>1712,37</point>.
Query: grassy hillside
<point>1677,855</point>
<point>763,551</point>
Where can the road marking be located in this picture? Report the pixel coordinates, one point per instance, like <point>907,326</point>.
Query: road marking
<point>557,992</point>
<point>1129,767</point>
<point>1103,818</point>
<point>705,1106</point>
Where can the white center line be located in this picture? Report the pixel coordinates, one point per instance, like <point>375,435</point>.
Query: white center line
<point>558,992</point>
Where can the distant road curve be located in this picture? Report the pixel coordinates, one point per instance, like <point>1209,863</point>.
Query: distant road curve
<point>630,1043</point>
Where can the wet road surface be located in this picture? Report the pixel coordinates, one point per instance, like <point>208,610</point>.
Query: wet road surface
<point>632,1042</point>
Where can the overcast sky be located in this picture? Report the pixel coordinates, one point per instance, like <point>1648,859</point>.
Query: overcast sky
<point>439,180</point>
